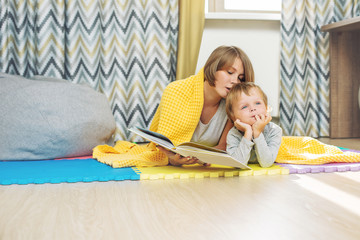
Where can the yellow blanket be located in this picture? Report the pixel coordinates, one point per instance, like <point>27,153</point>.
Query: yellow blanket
<point>176,117</point>
<point>307,150</point>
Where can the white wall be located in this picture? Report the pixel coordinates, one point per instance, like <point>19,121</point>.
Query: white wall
<point>260,39</point>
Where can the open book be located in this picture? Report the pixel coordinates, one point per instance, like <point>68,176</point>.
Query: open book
<point>203,153</point>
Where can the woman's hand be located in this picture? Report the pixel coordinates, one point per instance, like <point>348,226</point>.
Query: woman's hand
<point>178,160</point>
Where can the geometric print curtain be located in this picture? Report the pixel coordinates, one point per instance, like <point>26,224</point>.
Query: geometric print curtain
<point>304,63</point>
<point>124,49</point>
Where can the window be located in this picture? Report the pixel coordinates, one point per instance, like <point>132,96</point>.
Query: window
<point>244,9</point>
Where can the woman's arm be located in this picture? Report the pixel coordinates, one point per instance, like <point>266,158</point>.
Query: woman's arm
<point>222,141</point>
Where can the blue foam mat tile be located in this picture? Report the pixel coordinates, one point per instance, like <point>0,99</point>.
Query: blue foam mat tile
<point>58,171</point>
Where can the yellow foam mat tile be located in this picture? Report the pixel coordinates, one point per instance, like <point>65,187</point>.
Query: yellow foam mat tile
<point>197,171</point>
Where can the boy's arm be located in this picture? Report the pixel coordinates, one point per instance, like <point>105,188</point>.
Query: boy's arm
<point>267,146</point>
<point>238,146</point>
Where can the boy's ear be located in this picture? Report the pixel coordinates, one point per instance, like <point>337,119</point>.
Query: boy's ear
<point>269,109</point>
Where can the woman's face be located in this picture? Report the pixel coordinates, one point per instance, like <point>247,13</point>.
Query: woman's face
<point>228,76</point>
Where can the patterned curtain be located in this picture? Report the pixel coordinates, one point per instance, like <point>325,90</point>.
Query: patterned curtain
<point>304,63</point>
<point>125,49</point>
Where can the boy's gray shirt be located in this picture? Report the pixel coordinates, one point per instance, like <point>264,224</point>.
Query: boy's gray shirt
<point>262,150</point>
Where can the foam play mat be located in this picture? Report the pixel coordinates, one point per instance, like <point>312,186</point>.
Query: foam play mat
<point>197,171</point>
<point>87,169</point>
<point>58,171</point>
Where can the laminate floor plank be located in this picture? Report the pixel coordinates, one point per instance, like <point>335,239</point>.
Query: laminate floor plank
<point>302,206</point>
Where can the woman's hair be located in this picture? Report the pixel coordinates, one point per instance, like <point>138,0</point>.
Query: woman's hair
<point>224,56</point>
<point>236,91</point>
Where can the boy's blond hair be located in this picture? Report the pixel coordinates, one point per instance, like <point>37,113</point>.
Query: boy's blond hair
<point>224,56</point>
<point>235,93</point>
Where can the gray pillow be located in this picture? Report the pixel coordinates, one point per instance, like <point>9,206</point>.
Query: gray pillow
<point>46,118</point>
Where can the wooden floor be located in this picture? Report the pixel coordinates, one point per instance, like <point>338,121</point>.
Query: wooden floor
<point>296,206</point>
<point>352,143</point>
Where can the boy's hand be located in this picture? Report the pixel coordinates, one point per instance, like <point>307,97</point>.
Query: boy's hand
<point>245,128</point>
<point>261,121</point>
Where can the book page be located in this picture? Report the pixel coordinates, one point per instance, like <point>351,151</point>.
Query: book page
<point>155,134</point>
<point>153,137</point>
<point>192,145</point>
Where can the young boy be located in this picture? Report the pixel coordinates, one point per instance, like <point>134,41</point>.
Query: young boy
<point>253,139</point>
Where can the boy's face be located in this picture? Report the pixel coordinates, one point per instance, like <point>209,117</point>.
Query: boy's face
<point>247,107</point>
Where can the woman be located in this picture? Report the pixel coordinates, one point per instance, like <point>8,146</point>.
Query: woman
<point>191,109</point>
<point>226,66</point>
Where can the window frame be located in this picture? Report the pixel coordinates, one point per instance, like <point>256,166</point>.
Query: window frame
<point>215,10</point>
